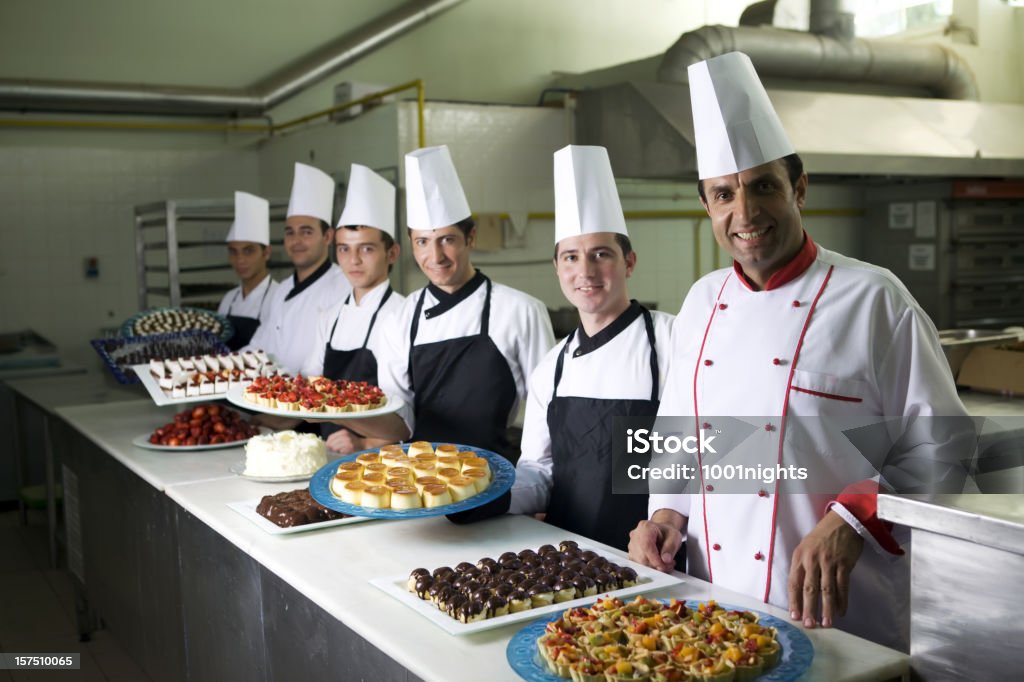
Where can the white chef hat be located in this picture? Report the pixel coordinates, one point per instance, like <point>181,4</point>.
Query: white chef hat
<point>312,193</point>
<point>370,201</point>
<point>433,193</point>
<point>252,220</point>
<point>734,123</point>
<point>586,199</point>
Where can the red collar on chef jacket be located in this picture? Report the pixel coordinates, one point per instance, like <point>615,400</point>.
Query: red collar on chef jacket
<point>793,269</point>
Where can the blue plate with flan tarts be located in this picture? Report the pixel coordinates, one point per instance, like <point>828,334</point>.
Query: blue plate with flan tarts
<point>503,475</point>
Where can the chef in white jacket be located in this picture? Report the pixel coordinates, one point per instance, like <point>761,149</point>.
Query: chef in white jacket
<point>462,348</point>
<point>613,365</point>
<point>289,333</point>
<point>350,333</point>
<point>248,243</point>
<point>803,337</point>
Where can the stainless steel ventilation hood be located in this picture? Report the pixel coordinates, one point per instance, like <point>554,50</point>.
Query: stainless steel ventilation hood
<point>648,130</point>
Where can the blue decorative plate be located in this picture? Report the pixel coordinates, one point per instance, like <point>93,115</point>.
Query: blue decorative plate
<point>120,353</point>
<point>797,650</point>
<point>227,330</point>
<point>503,474</point>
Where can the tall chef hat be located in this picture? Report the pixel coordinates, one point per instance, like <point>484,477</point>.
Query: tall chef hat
<point>734,123</point>
<point>433,193</point>
<point>586,199</point>
<point>252,220</point>
<point>370,201</point>
<point>312,193</point>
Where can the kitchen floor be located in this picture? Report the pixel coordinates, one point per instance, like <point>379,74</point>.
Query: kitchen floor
<point>37,611</point>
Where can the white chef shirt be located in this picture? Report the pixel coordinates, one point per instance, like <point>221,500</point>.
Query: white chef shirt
<point>353,321</point>
<point>519,327</point>
<point>288,331</point>
<point>254,306</point>
<point>619,368</point>
<point>868,350</point>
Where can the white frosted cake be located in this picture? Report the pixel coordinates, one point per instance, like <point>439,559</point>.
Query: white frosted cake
<point>286,453</point>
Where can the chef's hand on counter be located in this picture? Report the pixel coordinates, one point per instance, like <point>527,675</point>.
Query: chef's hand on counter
<point>820,571</point>
<point>655,542</point>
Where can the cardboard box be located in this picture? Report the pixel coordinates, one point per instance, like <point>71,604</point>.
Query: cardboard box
<point>999,369</point>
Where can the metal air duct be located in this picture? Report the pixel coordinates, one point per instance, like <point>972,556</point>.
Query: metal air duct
<point>831,54</point>
<point>37,95</point>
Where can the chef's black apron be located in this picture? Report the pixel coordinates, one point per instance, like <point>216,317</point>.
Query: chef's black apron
<point>581,452</point>
<point>357,364</point>
<point>244,327</point>
<point>464,389</point>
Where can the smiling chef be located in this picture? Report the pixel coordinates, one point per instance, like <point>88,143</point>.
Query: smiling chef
<point>289,333</point>
<point>612,365</point>
<point>248,243</point>
<point>792,331</point>
<point>462,348</point>
<point>351,333</point>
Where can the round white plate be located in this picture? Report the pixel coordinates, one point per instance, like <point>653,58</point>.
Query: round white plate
<point>143,442</point>
<point>235,397</point>
<point>238,468</point>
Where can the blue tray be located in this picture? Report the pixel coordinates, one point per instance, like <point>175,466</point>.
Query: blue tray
<point>797,650</point>
<point>151,347</point>
<point>227,330</point>
<point>503,474</point>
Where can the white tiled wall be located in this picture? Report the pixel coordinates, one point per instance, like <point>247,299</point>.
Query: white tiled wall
<point>66,198</point>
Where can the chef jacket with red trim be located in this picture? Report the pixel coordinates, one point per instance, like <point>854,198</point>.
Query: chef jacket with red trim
<point>829,336</point>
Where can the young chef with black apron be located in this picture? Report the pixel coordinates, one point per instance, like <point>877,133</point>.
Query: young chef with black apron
<point>248,243</point>
<point>351,332</point>
<point>463,347</point>
<point>612,365</point>
<point>288,332</point>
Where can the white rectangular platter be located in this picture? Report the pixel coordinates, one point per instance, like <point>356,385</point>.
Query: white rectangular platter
<point>247,508</point>
<point>160,396</point>
<point>648,580</point>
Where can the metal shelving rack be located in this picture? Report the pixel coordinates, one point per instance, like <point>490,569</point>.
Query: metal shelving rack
<point>183,229</point>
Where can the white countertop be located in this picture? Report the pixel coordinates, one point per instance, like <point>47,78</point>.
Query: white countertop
<point>332,568</point>
<point>113,426</point>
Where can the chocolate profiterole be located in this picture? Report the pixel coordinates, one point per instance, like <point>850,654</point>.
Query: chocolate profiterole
<point>518,581</point>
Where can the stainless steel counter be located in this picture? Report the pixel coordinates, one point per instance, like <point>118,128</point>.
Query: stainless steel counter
<point>968,556</point>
